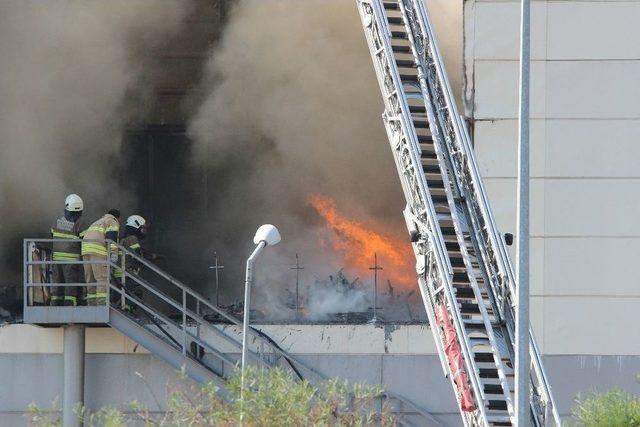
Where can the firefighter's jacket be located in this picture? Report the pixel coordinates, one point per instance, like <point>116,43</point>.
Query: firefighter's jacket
<point>97,231</point>
<point>64,229</point>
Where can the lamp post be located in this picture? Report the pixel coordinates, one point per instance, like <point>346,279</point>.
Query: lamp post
<point>522,375</point>
<point>266,235</point>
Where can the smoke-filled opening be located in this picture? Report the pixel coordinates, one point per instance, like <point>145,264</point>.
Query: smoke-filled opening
<point>209,119</point>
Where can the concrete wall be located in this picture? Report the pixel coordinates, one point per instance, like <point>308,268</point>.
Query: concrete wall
<point>402,358</point>
<point>585,187</point>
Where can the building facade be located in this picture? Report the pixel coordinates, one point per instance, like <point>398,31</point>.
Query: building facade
<point>585,179</point>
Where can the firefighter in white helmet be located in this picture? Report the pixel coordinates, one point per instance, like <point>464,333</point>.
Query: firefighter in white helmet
<point>67,227</point>
<point>135,231</point>
<point>97,252</point>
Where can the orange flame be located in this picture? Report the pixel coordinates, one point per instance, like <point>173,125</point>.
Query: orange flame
<point>357,245</point>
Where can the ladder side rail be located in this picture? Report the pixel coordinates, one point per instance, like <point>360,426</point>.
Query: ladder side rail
<point>420,195</point>
<point>436,234</point>
<point>478,194</point>
<point>505,260</point>
<point>379,22</point>
<point>440,124</point>
<point>450,120</point>
<point>538,371</point>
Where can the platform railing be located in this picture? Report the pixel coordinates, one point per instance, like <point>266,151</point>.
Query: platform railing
<point>170,309</point>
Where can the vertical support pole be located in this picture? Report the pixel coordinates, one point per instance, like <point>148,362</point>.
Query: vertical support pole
<point>375,269</point>
<point>123,301</point>
<point>522,309</point>
<point>108,284</point>
<point>247,310</point>
<point>198,322</point>
<point>217,267</point>
<point>184,322</point>
<point>73,374</point>
<point>26,273</point>
<point>297,268</point>
<point>217,280</point>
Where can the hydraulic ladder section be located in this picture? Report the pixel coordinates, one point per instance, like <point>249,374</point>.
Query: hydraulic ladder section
<point>462,264</point>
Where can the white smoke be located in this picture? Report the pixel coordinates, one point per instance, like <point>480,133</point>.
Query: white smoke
<point>293,109</point>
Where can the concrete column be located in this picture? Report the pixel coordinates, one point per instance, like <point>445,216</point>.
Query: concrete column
<point>73,374</point>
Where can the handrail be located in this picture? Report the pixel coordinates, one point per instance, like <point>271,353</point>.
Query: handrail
<point>168,321</point>
<point>167,299</point>
<point>260,335</point>
<point>190,314</point>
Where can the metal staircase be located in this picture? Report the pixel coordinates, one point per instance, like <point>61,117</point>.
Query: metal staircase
<point>462,263</point>
<point>174,323</point>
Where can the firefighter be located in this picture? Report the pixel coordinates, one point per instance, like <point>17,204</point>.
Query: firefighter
<point>135,231</point>
<point>67,226</point>
<point>95,250</point>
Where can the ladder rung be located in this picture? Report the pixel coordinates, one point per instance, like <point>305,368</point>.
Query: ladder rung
<point>435,183</point>
<point>408,63</point>
<point>483,357</point>
<point>408,77</point>
<point>391,5</point>
<point>493,389</point>
<point>460,278</point>
<point>469,308</point>
<point>497,404</point>
<point>401,48</point>
<point>488,373</point>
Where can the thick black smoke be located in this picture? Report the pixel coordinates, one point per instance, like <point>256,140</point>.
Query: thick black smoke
<point>71,77</point>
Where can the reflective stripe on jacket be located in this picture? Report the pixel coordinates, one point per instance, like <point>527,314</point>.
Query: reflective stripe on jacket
<point>65,229</point>
<point>97,231</point>
<point>132,243</point>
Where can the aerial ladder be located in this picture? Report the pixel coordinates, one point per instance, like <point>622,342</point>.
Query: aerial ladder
<point>464,273</point>
<point>174,323</point>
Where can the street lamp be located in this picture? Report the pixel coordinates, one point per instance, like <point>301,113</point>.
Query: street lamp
<point>266,235</point>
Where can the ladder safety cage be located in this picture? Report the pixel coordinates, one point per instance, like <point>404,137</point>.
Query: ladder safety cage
<point>462,263</point>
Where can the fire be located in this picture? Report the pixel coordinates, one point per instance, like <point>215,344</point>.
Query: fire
<point>356,244</point>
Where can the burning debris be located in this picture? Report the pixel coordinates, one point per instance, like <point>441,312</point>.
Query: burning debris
<point>337,294</point>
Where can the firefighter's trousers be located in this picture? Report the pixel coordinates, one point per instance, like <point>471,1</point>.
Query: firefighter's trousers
<point>66,295</point>
<point>96,273</point>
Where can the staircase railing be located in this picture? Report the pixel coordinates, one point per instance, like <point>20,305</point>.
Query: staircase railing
<point>157,312</point>
<point>186,335</point>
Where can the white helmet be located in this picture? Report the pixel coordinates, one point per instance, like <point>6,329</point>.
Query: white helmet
<point>73,203</point>
<point>136,221</point>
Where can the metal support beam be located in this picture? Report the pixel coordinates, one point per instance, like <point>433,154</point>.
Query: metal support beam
<point>522,310</point>
<point>73,375</point>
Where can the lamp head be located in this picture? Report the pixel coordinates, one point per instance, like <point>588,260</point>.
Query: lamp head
<point>267,233</point>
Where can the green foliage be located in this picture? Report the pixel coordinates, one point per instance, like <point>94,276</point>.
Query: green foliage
<point>42,418</point>
<point>271,398</point>
<point>614,408</point>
